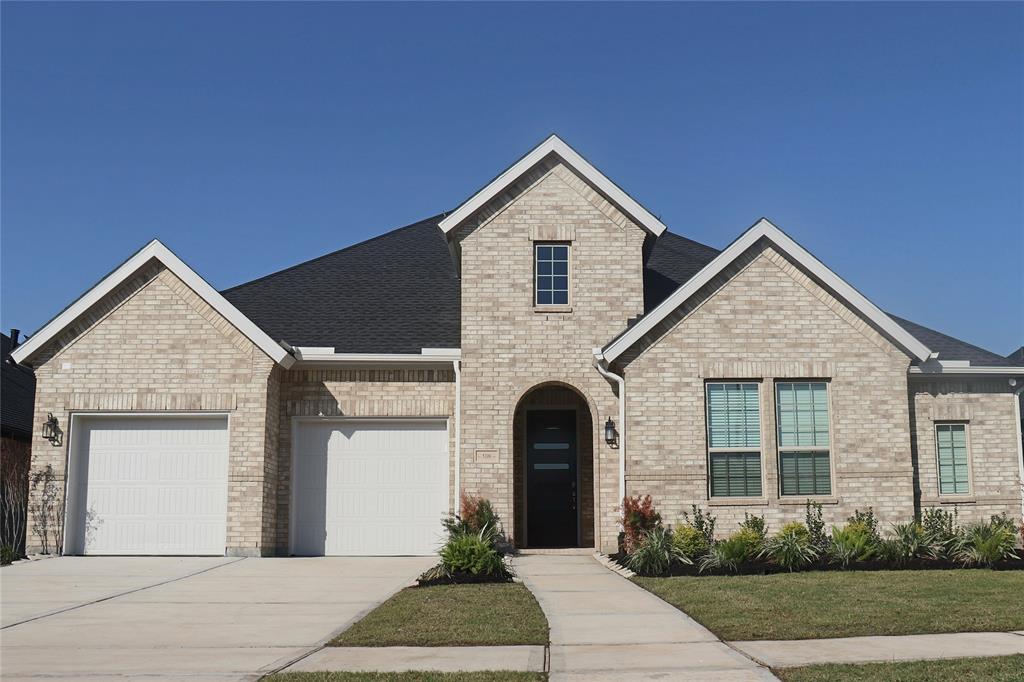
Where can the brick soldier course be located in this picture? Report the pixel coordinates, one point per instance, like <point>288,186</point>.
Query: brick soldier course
<point>161,341</point>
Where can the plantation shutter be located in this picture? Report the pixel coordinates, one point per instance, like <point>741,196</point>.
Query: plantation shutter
<point>803,428</point>
<point>951,440</point>
<point>734,439</point>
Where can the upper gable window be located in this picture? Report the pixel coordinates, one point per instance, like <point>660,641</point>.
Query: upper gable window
<point>551,263</point>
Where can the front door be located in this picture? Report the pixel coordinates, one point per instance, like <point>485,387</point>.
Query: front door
<point>551,495</point>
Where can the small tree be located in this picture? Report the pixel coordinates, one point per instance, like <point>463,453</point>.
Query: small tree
<point>46,510</point>
<point>14,468</point>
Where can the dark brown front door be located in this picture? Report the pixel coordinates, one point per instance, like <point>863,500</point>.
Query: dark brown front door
<point>551,495</point>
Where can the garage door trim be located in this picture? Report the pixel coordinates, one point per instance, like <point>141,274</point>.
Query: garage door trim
<point>298,421</point>
<point>76,481</point>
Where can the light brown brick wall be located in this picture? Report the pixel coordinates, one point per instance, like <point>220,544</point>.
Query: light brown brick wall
<point>154,346</point>
<point>354,393</point>
<point>988,408</point>
<point>764,319</point>
<point>508,348</point>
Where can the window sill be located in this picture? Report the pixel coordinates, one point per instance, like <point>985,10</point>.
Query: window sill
<point>552,308</point>
<point>738,502</point>
<point>801,501</point>
<point>967,499</point>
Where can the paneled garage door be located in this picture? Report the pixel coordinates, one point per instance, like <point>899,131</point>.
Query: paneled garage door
<point>372,488</point>
<point>148,485</point>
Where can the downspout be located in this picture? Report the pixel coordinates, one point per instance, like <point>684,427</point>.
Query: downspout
<point>601,365</point>
<point>1020,447</point>
<point>457,366</point>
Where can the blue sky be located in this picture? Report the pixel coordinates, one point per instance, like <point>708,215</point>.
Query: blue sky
<point>887,138</point>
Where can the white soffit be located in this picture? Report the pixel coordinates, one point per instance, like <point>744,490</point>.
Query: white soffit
<point>764,228</point>
<point>152,250</point>
<point>425,356</point>
<point>554,144</point>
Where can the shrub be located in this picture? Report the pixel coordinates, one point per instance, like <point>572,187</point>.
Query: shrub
<point>755,524</point>
<point>940,528</point>
<point>985,543</point>
<point>867,522</point>
<point>690,542</point>
<point>909,541</point>
<point>815,525</point>
<point>854,542</point>
<point>703,522</point>
<point>655,553</point>
<point>8,554</point>
<point>730,554</point>
<point>473,554</point>
<point>477,515</point>
<point>791,548</point>
<point>638,517</point>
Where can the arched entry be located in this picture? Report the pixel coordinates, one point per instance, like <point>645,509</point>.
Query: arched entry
<point>553,458</point>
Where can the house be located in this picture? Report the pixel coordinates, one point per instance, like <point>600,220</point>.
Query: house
<point>549,345</point>
<point>17,395</point>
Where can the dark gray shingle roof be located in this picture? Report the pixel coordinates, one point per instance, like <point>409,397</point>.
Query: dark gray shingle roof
<point>398,293</point>
<point>17,393</point>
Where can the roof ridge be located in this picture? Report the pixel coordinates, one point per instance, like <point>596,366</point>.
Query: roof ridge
<point>392,231</point>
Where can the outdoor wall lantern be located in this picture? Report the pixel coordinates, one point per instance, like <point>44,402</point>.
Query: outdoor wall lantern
<point>610,435</point>
<point>51,429</point>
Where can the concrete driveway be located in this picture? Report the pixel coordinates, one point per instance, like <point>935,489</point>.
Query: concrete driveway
<point>200,618</point>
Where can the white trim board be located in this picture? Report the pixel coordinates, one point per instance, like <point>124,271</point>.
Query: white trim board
<point>154,249</point>
<point>555,145</point>
<point>764,228</point>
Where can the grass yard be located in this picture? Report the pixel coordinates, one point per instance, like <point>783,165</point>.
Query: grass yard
<point>995,669</point>
<point>848,604</point>
<point>486,676</point>
<point>452,615</point>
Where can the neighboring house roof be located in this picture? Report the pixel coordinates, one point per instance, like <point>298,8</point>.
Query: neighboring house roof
<point>1017,356</point>
<point>949,348</point>
<point>764,229</point>
<point>554,145</point>
<point>151,251</point>
<point>17,393</point>
<point>395,293</point>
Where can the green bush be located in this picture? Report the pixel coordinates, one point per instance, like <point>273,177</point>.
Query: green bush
<point>853,542</point>
<point>866,522</point>
<point>986,542</point>
<point>8,554</point>
<point>703,522</point>
<point>816,525</point>
<point>755,524</point>
<point>908,542</point>
<point>690,542</point>
<point>477,516</point>
<point>655,553</point>
<point>940,528</point>
<point>472,553</point>
<point>731,553</point>
<point>791,548</point>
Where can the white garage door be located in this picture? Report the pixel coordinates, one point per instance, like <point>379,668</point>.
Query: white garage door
<point>372,488</point>
<point>148,485</point>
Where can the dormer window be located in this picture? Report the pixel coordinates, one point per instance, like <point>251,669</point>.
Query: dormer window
<point>551,264</point>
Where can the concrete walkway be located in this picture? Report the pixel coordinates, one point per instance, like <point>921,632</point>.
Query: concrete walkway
<point>603,627</point>
<point>794,653</point>
<point>438,659</point>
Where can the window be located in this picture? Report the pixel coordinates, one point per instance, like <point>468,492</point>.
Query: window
<point>552,267</point>
<point>951,444</point>
<point>804,467</point>
<point>734,439</point>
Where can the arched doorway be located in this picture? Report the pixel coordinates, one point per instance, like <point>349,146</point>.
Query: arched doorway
<point>553,460</point>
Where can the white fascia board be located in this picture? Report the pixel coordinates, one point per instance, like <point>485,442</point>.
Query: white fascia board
<point>931,370</point>
<point>445,356</point>
<point>554,144</point>
<point>155,249</point>
<point>764,228</point>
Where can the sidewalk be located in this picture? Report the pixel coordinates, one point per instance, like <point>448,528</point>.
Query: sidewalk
<point>794,653</point>
<point>603,627</point>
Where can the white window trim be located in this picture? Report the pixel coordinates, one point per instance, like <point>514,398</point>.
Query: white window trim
<point>970,459</point>
<point>727,450</point>
<point>553,307</point>
<point>830,448</point>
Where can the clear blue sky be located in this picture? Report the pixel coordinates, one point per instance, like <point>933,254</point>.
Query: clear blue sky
<point>887,138</point>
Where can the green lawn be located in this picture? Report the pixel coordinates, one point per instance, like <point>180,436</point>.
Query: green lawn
<point>452,615</point>
<point>487,676</point>
<point>848,604</point>
<point>996,669</point>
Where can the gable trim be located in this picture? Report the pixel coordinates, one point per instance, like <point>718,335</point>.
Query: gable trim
<point>153,250</point>
<point>764,228</point>
<point>554,144</point>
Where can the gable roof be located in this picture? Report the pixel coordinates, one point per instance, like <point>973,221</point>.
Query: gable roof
<point>153,250</point>
<point>765,229</point>
<point>949,348</point>
<point>17,393</point>
<point>395,293</point>
<point>554,145</point>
